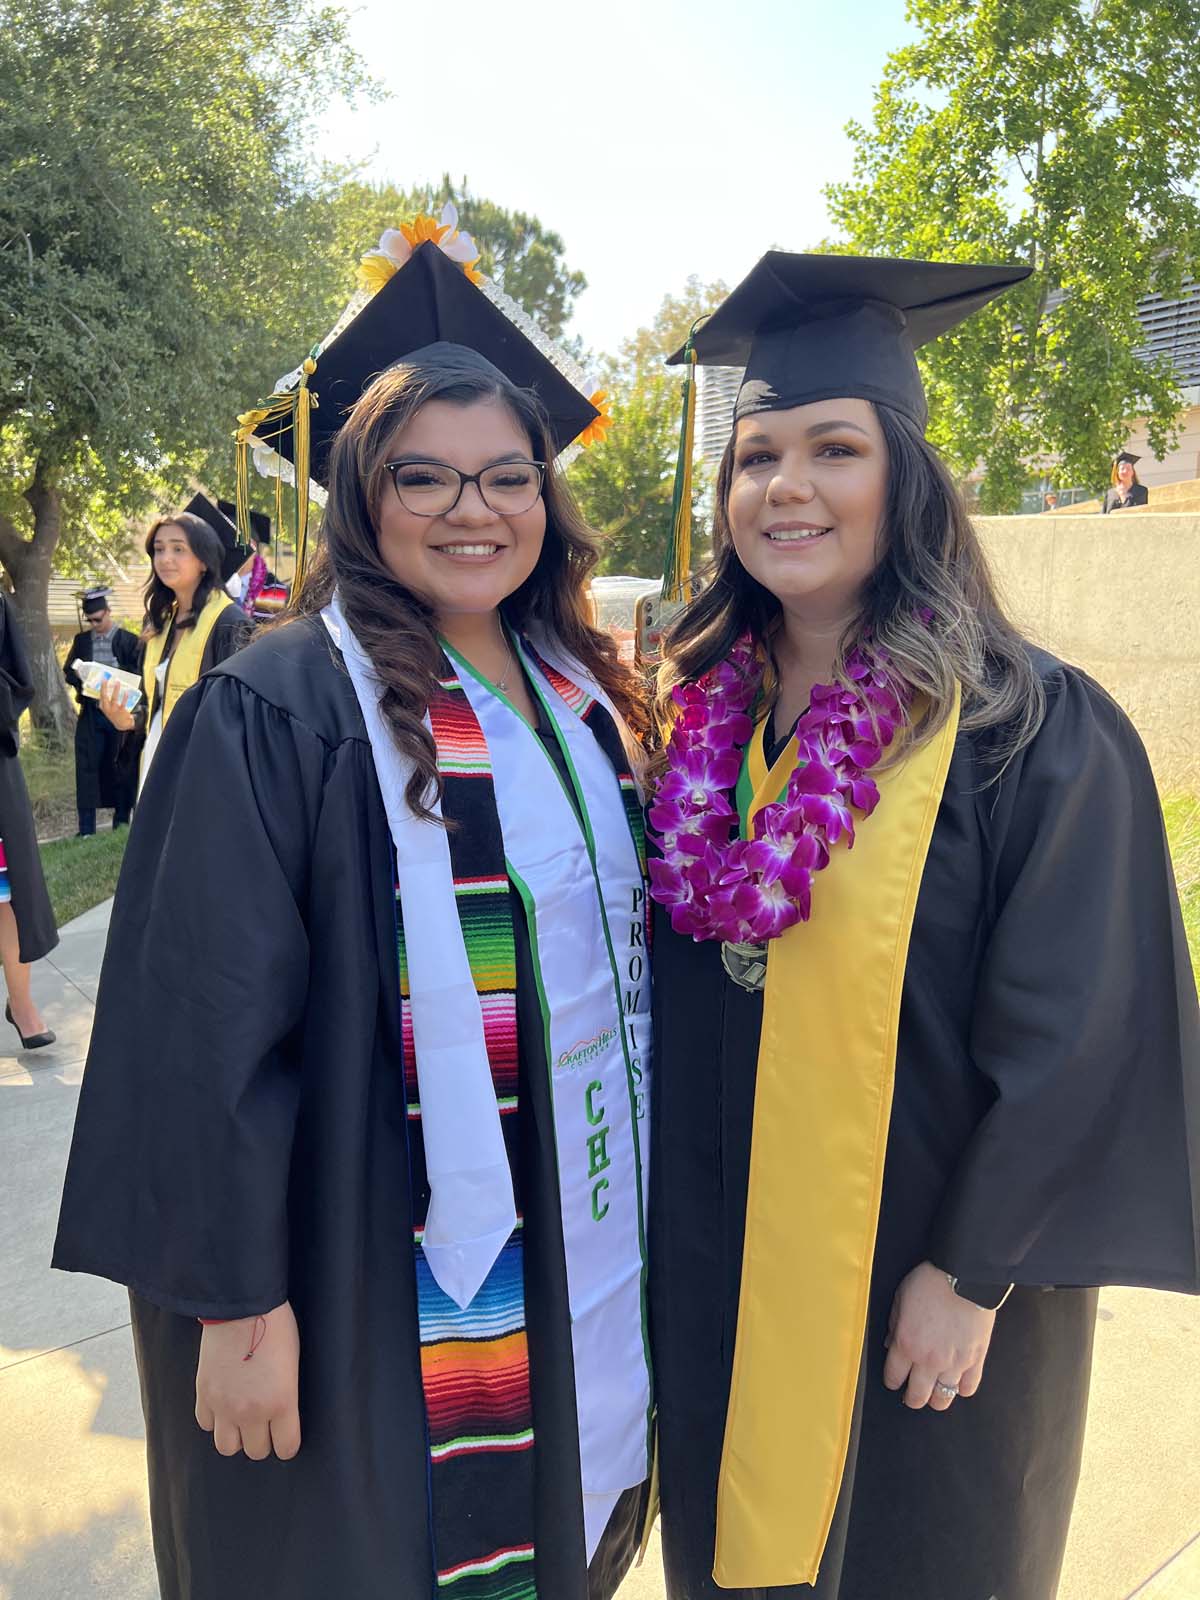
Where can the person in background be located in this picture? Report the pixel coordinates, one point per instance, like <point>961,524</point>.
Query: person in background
<point>101,779</point>
<point>1050,502</point>
<point>191,626</point>
<point>1126,490</point>
<point>254,586</point>
<point>27,926</point>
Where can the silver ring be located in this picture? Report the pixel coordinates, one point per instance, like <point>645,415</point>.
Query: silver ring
<point>950,1390</point>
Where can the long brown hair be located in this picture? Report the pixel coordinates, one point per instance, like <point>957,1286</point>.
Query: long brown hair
<point>396,628</point>
<point>930,604</point>
<point>206,546</point>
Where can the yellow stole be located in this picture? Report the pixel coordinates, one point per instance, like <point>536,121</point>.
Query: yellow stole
<point>826,1065</point>
<point>185,662</point>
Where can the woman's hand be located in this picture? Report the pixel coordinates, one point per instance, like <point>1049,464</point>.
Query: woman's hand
<point>112,703</point>
<point>935,1337</point>
<point>247,1385</point>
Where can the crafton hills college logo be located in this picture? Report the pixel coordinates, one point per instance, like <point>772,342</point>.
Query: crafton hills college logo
<point>580,1055</point>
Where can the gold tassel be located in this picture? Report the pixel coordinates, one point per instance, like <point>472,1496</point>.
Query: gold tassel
<point>677,581</point>
<point>302,433</point>
<point>242,491</point>
<point>289,408</point>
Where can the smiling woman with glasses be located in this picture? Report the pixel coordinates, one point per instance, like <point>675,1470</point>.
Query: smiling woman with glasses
<point>386,1137</point>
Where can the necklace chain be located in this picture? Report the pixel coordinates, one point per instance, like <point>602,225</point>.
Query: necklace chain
<point>509,663</point>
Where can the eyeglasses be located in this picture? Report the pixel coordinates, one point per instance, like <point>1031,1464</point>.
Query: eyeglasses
<point>431,489</point>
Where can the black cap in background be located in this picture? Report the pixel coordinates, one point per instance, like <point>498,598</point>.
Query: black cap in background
<point>236,555</point>
<point>260,522</point>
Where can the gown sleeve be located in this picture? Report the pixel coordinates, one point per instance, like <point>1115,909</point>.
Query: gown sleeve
<point>232,630</point>
<point>69,673</point>
<point>178,1176</point>
<point>1085,1170</point>
<point>16,680</point>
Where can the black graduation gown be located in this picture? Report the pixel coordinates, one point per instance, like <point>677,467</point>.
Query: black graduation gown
<point>30,899</point>
<point>1045,1131</point>
<point>253,958</point>
<point>98,780</point>
<point>1115,498</point>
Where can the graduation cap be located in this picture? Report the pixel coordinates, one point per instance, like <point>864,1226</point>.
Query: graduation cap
<point>428,311</point>
<point>840,327</point>
<point>421,300</point>
<point>236,555</point>
<point>260,522</point>
<point>93,600</point>
<point>1125,456</point>
<point>809,328</point>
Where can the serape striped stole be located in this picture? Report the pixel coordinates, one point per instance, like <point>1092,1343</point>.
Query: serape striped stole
<point>475,1361</point>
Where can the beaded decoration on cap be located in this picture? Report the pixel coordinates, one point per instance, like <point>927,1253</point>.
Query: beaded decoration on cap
<point>283,438</point>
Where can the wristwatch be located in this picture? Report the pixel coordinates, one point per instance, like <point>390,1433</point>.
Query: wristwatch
<point>987,1296</point>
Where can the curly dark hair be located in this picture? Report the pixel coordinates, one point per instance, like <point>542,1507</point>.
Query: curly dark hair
<point>396,628</point>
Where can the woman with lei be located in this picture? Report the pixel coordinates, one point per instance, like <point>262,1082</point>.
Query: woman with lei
<point>373,1172</point>
<point>926,1030</point>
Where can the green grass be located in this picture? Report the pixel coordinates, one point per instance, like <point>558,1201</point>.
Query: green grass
<point>80,873</point>
<point>49,769</point>
<point>1182,812</point>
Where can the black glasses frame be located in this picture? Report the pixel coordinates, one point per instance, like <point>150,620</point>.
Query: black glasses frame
<point>464,478</point>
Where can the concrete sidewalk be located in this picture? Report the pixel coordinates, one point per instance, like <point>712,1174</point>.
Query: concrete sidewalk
<point>73,1521</point>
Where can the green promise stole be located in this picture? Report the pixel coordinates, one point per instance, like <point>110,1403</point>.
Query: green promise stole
<point>826,1065</point>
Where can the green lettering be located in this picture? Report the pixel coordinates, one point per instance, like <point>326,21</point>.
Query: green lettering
<point>595,1116</point>
<point>598,1157</point>
<point>599,1212</point>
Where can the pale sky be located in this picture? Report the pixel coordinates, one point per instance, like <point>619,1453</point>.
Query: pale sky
<point>659,138</point>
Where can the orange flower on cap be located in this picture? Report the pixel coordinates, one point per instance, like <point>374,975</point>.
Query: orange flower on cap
<point>596,430</point>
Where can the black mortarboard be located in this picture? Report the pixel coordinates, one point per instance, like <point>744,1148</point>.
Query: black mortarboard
<point>840,327</point>
<point>260,522</point>
<point>236,555</point>
<point>1125,456</point>
<point>428,309</point>
<point>94,600</point>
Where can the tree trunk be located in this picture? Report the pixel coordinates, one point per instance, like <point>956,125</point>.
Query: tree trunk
<point>29,562</point>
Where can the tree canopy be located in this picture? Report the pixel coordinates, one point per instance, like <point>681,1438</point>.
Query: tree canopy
<point>153,169</point>
<point>624,485</point>
<point>517,250</point>
<point>1062,134</point>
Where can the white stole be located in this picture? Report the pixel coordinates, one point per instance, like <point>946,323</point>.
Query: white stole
<point>583,893</point>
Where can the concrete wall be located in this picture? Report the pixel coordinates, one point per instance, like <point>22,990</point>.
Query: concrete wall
<point>1118,596</point>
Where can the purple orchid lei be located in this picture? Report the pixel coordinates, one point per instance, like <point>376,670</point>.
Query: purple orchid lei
<point>717,886</point>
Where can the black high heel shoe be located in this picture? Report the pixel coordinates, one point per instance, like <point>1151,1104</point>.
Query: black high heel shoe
<point>35,1041</point>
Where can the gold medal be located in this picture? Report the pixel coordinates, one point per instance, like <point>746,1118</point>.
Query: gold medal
<point>746,964</point>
